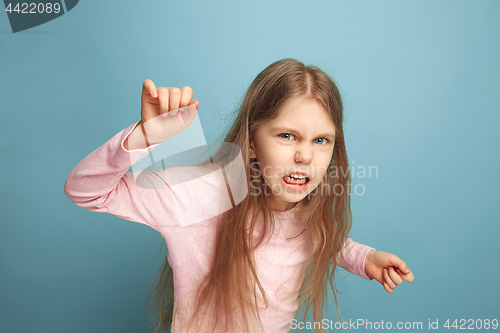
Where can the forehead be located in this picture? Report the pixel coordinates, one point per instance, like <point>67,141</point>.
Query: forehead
<point>306,114</point>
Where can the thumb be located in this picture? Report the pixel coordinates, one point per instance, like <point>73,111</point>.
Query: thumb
<point>196,103</point>
<point>401,268</point>
<point>394,260</point>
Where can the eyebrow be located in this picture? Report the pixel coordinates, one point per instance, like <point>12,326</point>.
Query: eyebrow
<point>286,129</point>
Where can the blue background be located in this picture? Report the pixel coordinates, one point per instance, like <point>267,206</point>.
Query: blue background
<point>419,80</point>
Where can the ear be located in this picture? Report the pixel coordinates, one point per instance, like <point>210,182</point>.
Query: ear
<point>252,148</point>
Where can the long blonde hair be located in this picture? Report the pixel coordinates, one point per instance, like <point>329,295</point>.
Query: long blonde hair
<point>326,212</point>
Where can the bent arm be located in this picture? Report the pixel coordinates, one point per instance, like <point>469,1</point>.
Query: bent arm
<point>101,183</point>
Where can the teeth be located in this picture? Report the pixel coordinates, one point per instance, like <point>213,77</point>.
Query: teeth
<point>292,180</point>
<point>297,176</point>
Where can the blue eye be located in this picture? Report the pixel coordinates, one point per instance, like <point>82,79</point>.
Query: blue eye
<point>289,136</point>
<point>324,140</point>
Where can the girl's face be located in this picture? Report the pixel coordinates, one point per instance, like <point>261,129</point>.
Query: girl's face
<point>299,139</point>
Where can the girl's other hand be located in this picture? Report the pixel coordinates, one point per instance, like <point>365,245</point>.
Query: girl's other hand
<point>162,110</point>
<point>387,269</point>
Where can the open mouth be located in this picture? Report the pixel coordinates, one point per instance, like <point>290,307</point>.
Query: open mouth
<point>292,180</point>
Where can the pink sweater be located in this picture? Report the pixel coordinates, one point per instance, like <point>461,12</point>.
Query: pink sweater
<point>101,183</point>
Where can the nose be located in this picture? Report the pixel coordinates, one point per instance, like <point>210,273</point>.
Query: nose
<point>304,154</point>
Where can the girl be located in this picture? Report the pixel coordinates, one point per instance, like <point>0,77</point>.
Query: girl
<point>250,268</point>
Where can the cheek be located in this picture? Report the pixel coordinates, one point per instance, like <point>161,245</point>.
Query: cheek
<point>322,170</point>
<point>269,171</point>
<point>269,164</point>
<point>319,176</point>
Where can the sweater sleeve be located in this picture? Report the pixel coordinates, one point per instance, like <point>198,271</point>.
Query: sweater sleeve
<point>353,258</point>
<point>101,183</point>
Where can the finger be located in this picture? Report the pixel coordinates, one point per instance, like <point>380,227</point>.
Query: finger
<point>186,96</point>
<point>163,97</point>
<point>407,276</point>
<point>175,97</point>
<point>388,279</point>
<point>149,89</point>
<point>387,288</point>
<point>394,260</point>
<point>395,277</point>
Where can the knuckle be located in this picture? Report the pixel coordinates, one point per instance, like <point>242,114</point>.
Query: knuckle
<point>187,89</point>
<point>175,91</point>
